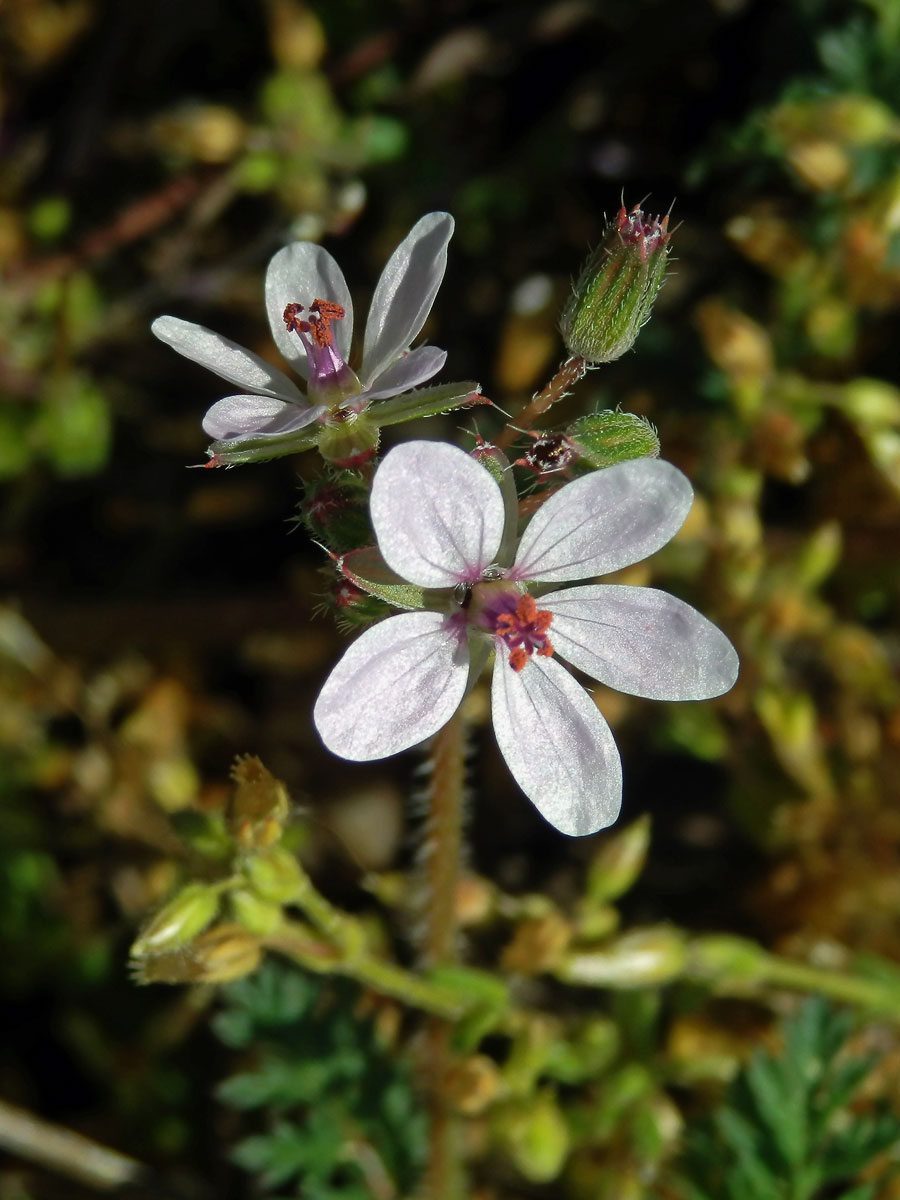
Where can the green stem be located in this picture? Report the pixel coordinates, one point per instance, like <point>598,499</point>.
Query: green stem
<point>735,965</point>
<point>296,942</point>
<point>852,989</point>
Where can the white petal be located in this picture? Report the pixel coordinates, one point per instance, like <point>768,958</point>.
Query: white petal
<point>604,521</point>
<point>406,292</point>
<point>394,687</point>
<point>242,416</point>
<point>557,744</point>
<point>437,514</point>
<point>641,641</point>
<point>225,357</point>
<point>299,274</point>
<point>407,372</point>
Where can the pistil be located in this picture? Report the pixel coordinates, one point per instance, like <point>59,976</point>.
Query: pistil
<point>331,380</point>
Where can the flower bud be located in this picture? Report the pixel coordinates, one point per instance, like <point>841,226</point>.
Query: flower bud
<point>537,1137</point>
<point>721,958</point>
<point>537,945</point>
<point>177,922</point>
<point>602,439</point>
<point>619,861</point>
<point>352,607</point>
<point>473,1084</point>
<point>257,916</point>
<point>226,952</point>
<point>350,444</point>
<point>259,805</point>
<point>640,959</point>
<point>617,287</point>
<point>335,510</point>
<point>275,876</point>
<point>219,955</point>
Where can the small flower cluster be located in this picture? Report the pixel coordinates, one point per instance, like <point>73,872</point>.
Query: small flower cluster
<point>450,550</point>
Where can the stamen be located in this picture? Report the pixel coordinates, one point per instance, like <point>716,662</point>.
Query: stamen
<point>331,381</point>
<point>328,310</point>
<point>524,630</point>
<point>291,319</point>
<point>321,314</point>
<point>518,658</point>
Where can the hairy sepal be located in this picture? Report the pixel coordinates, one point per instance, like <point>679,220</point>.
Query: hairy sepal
<point>367,570</point>
<point>427,402</point>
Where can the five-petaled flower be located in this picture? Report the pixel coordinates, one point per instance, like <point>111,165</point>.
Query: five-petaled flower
<point>311,316</point>
<point>441,523</point>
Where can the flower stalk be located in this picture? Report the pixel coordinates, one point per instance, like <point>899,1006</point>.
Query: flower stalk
<point>441,856</point>
<point>571,371</point>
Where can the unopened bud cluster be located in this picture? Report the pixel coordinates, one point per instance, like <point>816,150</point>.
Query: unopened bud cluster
<point>335,510</point>
<point>615,292</point>
<point>210,932</point>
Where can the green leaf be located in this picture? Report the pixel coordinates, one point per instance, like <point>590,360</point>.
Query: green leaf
<point>788,1128</point>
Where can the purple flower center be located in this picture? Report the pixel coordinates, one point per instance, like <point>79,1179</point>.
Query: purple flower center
<point>514,617</point>
<point>330,379</point>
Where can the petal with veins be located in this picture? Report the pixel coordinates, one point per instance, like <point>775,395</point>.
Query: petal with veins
<point>405,293</point>
<point>395,686</point>
<point>604,521</point>
<point>408,372</point>
<point>299,274</point>
<point>225,357</point>
<point>242,416</point>
<point>438,515</point>
<point>557,744</point>
<point>641,641</point>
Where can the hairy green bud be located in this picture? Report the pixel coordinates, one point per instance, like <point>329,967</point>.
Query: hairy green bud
<point>615,292</point>
<point>602,439</point>
<point>335,510</point>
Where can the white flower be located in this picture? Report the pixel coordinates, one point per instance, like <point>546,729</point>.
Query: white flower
<point>441,523</point>
<point>303,278</point>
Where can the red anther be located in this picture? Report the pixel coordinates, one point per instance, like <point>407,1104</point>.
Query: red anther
<point>518,658</point>
<point>291,319</point>
<point>329,310</point>
<point>322,313</point>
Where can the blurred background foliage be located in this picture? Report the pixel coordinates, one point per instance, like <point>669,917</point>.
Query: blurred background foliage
<point>158,622</point>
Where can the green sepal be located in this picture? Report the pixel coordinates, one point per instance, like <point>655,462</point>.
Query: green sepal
<point>368,570</point>
<point>603,439</point>
<point>426,402</point>
<point>237,451</point>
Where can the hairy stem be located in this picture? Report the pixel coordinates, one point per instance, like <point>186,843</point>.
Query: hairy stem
<point>441,869</point>
<point>565,378</point>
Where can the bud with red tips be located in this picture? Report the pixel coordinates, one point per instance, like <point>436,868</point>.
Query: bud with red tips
<point>335,510</point>
<point>352,607</point>
<point>615,292</point>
